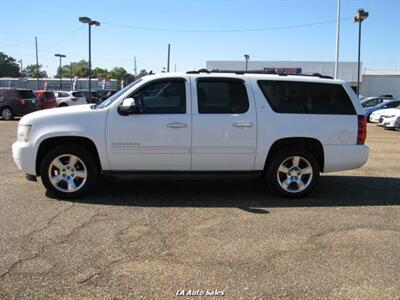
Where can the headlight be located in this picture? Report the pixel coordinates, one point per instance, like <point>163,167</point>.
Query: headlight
<point>23,133</point>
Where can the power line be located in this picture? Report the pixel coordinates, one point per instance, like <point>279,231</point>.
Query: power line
<point>223,30</point>
<point>76,30</point>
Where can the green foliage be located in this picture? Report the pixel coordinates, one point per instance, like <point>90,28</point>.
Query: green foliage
<point>8,66</point>
<point>31,71</point>
<point>118,73</point>
<point>142,73</point>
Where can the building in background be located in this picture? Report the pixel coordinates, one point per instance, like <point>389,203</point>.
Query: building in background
<point>373,82</point>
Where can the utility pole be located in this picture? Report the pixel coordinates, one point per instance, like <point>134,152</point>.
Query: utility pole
<point>22,77</point>
<point>175,68</point>
<point>169,53</point>
<point>37,64</point>
<point>134,59</point>
<point>337,39</point>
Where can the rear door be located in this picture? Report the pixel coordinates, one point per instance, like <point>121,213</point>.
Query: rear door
<point>224,125</point>
<point>28,101</point>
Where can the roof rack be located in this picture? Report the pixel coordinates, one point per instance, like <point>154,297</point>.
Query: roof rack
<point>240,72</point>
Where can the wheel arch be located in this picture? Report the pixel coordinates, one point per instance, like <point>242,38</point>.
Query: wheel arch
<point>52,142</point>
<point>312,145</point>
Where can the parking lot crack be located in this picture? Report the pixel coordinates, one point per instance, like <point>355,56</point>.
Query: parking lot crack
<point>77,228</point>
<point>48,223</point>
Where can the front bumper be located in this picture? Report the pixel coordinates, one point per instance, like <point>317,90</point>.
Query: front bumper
<point>24,155</point>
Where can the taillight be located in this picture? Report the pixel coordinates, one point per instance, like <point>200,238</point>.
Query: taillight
<point>21,101</point>
<point>362,130</point>
<point>74,99</point>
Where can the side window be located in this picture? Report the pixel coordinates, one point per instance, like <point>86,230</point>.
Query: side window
<point>371,102</point>
<point>162,97</point>
<point>392,104</point>
<point>221,96</point>
<point>307,97</point>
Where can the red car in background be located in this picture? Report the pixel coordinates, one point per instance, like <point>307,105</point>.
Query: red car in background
<point>46,99</point>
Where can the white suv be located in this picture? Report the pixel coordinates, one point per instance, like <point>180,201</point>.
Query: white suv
<point>287,129</point>
<point>68,98</point>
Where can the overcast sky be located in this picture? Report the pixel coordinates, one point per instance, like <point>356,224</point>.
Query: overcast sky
<point>198,31</point>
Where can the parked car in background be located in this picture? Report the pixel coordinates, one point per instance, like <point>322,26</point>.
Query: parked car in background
<point>17,102</point>
<point>90,96</point>
<point>386,96</point>
<point>376,115</point>
<point>46,99</point>
<point>68,98</point>
<point>103,94</point>
<point>373,101</point>
<point>386,104</point>
<point>390,122</point>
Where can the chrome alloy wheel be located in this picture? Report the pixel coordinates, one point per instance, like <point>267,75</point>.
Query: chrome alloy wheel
<point>67,173</point>
<point>295,174</point>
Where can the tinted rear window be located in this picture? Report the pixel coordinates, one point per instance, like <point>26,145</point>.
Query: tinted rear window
<point>307,97</point>
<point>49,95</point>
<point>26,94</point>
<point>221,96</point>
<point>77,94</point>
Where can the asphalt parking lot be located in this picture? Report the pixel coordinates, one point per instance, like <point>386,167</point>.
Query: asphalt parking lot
<point>135,239</point>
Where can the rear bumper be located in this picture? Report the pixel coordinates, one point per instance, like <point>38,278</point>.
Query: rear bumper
<point>24,155</point>
<point>344,157</point>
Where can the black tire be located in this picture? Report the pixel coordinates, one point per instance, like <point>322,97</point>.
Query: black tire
<point>284,156</point>
<point>89,164</point>
<point>63,105</point>
<point>7,114</point>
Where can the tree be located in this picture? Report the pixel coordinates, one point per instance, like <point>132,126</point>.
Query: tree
<point>100,73</point>
<point>31,71</point>
<point>79,68</point>
<point>142,73</point>
<point>8,66</point>
<point>118,73</point>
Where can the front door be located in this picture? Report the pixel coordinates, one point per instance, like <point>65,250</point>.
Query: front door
<point>224,125</point>
<point>158,137</point>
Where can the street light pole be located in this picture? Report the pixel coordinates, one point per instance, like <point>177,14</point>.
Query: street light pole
<point>60,56</point>
<point>337,39</point>
<point>90,23</point>
<point>169,53</point>
<point>246,58</point>
<point>359,18</point>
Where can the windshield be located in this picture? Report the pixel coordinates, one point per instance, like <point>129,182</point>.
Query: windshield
<point>114,97</point>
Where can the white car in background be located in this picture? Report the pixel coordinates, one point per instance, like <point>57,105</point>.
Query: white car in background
<point>376,115</point>
<point>390,120</point>
<point>69,98</point>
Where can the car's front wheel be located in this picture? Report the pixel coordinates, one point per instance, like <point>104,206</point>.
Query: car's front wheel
<point>292,173</point>
<point>7,114</point>
<point>69,171</point>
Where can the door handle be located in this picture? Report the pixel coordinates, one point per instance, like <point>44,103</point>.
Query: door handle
<point>242,124</point>
<point>177,125</point>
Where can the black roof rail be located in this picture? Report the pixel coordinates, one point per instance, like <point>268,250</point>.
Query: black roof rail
<point>241,72</point>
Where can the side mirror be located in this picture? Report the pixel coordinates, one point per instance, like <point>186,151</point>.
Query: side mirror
<point>128,107</point>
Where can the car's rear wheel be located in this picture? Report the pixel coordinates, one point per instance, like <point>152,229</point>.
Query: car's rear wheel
<point>7,114</point>
<point>292,173</point>
<point>69,171</point>
<point>63,105</point>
